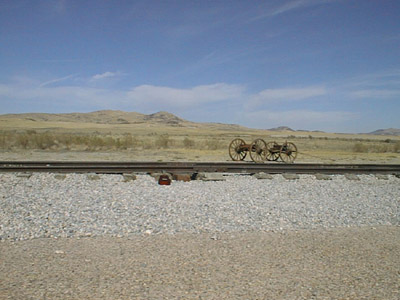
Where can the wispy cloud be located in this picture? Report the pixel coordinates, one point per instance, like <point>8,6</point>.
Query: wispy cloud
<point>58,94</point>
<point>379,85</point>
<point>144,98</point>
<point>104,75</point>
<point>58,60</point>
<point>216,58</point>
<point>58,6</point>
<point>289,6</point>
<point>290,94</point>
<point>286,95</point>
<point>167,96</point>
<point>376,93</point>
<point>5,90</point>
<point>299,119</point>
<point>214,102</point>
<point>49,82</point>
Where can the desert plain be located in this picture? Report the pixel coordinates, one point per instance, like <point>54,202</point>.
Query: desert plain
<point>130,136</point>
<point>341,262</point>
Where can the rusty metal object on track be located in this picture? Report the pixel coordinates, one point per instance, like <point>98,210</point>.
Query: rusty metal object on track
<point>164,179</point>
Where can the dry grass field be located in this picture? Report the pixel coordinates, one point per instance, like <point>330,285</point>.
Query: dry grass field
<point>114,135</point>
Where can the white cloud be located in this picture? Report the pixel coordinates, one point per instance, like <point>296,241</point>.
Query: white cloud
<point>290,94</point>
<point>144,98</point>
<point>284,95</point>
<point>104,76</point>
<point>300,119</point>
<point>218,102</point>
<point>72,96</point>
<point>195,96</point>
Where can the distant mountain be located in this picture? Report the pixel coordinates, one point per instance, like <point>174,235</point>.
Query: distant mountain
<point>162,118</point>
<point>281,128</point>
<point>119,117</point>
<point>165,118</point>
<point>389,131</point>
<point>103,117</point>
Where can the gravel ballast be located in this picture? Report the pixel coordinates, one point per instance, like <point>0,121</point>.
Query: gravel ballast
<point>43,205</point>
<point>89,236</point>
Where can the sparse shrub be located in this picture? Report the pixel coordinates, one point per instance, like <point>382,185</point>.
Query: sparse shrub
<point>109,142</point>
<point>22,141</point>
<point>94,143</point>
<point>188,143</point>
<point>374,148</point>
<point>146,144</point>
<point>360,148</point>
<point>31,131</point>
<point>213,144</point>
<point>67,141</point>
<point>47,141</point>
<point>3,140</point>
<point>128,141</point>
<point>43,141</point>
<point>163,141</point>
<point>383,148</point>
<point>396,147</point>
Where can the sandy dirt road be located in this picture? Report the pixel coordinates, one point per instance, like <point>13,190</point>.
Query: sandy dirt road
<point>341,263</point>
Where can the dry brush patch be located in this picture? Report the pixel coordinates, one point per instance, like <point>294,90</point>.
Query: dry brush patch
<point>93,142</point>
<point>193,143</point>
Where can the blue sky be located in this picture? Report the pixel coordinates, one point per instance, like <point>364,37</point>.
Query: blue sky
<point>331,65</point>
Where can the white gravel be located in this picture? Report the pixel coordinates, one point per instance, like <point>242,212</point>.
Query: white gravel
<point>76,206</point>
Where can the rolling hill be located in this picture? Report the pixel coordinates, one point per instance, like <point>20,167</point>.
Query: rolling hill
<point>389,131</point>
<point>160,118</point>
<point>113,117</point>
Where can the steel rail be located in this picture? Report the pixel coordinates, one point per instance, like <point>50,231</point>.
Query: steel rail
<point>193,167</point>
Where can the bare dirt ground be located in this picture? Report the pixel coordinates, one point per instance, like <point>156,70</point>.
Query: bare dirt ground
<point>341,263</point>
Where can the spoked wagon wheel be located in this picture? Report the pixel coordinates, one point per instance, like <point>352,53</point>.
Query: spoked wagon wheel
<point>272,151</point>
<point>257,150</point>
<point>288,152</point>
<point>236,149</point>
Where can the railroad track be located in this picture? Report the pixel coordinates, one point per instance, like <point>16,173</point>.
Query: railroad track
<point>194,167</point>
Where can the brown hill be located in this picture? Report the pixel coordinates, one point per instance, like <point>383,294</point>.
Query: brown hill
<point>281,128</point>
<point>389,131</point>
<point>118,117</point>
<point>101,117</point>
<point>165,118</point>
